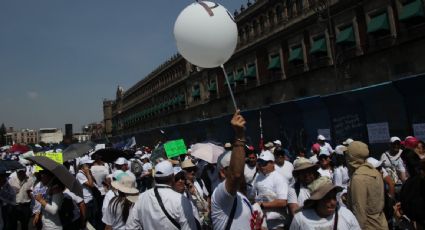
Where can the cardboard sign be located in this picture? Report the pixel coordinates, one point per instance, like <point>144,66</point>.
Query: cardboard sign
<point>57,157</point>
<point>175,148</point>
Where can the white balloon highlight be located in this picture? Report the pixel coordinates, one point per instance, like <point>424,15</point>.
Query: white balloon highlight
<point>203,40</point>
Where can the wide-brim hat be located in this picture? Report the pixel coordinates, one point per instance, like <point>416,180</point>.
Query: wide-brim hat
<point>126,186</point>
<point>303,164</point>
<point>321,192</point>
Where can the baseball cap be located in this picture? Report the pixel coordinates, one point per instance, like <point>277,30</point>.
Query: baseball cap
<point>266,156</point>
<point>340,149</point>
<point>348,141</point>
<point>374,162</point>
<point>321,137</point>
<point>227,145</point>
<point>277,142</point>
<point>394,139</point>
<point>85,160</point>
<point>163,169</point>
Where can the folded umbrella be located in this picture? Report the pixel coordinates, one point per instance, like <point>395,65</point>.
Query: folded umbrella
<point>77,150</point>
<point>7,166</point>
<point>60,172</point>
<point>208,152</point>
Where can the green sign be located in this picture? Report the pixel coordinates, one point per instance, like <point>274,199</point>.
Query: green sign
<point>175,148</point>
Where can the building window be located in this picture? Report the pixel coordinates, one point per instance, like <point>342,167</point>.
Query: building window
<point>319,46</point>
<point>378,24</point>
<point>196,92</point>
<point>296,55</point>
<point>412,12</point>
<point>240,76</point>
<point>212,87</point>
<point>345,36</point>
<point>274,62</point>
<point>251,72</point>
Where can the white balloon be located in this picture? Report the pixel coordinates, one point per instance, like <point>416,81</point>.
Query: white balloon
<point>203,40</point>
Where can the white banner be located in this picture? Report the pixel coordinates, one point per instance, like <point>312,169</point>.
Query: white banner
<point>378,132</point>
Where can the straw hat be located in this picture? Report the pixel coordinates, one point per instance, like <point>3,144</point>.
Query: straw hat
<point>303,164</point>
<point>320,192</point>
<point>126,185</point>
<point>187,164</point>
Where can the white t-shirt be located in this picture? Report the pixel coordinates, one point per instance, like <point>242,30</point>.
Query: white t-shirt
<point>114,220</point>
<point>249,173</point>
<point>326,172</point>
<point>393,161</point>
<point>285,170</point>
<point>307,219</point>
<point>87,194</point>
<point>108,197</point>
<point>221,206</point>
<point>147,214</point>
<point>314,159</point>
<point>271,187</point>
<point>327,147</point>
<point>341,177</point>
<point>294,198</point>
<point>99,173</point>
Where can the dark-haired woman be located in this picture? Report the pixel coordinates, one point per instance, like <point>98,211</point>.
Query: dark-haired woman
<point>119,207</point>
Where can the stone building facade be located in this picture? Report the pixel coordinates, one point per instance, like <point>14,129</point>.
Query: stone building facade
<point>286,50</point>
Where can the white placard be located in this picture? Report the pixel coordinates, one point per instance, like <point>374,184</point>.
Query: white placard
<point>419,131</point>
<point>378,132</point>
<point>325,132</point>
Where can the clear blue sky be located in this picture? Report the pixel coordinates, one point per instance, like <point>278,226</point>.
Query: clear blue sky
<point>60,58</point>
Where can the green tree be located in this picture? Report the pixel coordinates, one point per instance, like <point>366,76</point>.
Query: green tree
<point>2,135</point>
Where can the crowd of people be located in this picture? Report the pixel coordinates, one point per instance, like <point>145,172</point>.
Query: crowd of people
<point>322,188</point>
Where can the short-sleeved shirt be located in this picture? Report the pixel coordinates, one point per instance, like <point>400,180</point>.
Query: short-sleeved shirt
<point>87,193</point>
<point>326,172</point>
<point>114,219</point>
<point>147,213</point>
<point>285,170</point>
<point>99,173</point>
<point>389,161</point>
<point>307,219</point>
<point>271,187</point>
<point>294,198</point>
<point>221,206</point>
<point>340,177</point>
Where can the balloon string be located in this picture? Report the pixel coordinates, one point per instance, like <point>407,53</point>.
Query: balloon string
<point>229,87</point>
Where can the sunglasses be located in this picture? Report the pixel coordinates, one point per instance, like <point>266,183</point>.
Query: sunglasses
<point>179,177</point>
<point>262,163</point>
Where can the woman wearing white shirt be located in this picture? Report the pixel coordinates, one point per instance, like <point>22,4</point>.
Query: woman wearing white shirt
<point>50,208</point>
<point>119,207</point>
<point>321,211</point>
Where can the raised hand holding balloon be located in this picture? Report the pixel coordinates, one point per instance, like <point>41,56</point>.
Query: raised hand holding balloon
<point>206,35</point>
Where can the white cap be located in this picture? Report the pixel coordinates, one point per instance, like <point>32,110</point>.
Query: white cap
<point>86,160</point>
<point>268,145</point>
<point>348,141</point>
<point>340,149</point>
<point>121,161</point>
<point>138,153</point>
<point>144,157</point>
<point>163,169</point>
<point>223,160</point>
<point>266,156</point>
<point>324,151</point>
<point>394,139</point>
<point>277,142</point>
<point>374,162</point>
<point>321,137</point>
<point>227,145</point>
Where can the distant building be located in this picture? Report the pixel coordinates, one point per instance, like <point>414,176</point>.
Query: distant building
<point>81,137</point>
<point>68,130</point>
<point>50,135</point>
<point>25,136</point>
<point>94,130</point>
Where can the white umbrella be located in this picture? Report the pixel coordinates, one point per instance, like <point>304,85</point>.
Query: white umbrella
<point>207,151</point>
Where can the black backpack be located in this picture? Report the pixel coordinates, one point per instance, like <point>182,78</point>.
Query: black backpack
<point>66,211</point>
